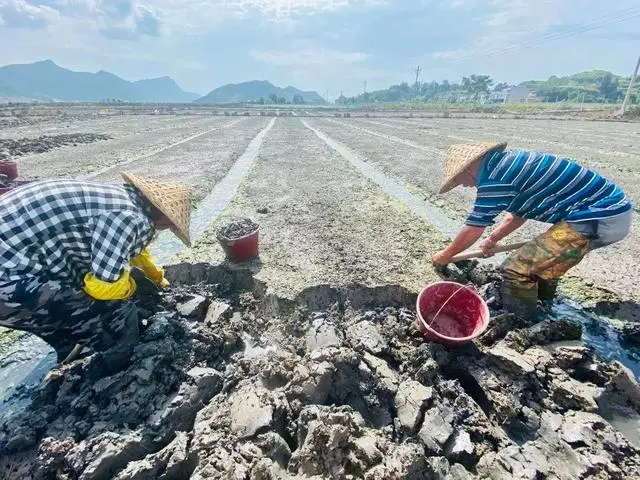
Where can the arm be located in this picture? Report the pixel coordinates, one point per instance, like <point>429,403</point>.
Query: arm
<point>509,224</point>
<point>112,238</point>
<point>465,238</point>
<point>145,262</point>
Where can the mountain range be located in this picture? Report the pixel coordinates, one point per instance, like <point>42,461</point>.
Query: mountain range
<point>46,81</point>
<point>255,91</point>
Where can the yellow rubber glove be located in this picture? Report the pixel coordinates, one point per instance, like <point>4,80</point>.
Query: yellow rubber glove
<point>147,264</point>
<point>121,289</point>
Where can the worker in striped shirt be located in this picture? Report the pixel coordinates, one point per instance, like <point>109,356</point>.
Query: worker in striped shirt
<point>587,211</point>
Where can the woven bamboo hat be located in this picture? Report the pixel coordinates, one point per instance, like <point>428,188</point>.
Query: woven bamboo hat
<point>460,156</point>
<point>174,201</point>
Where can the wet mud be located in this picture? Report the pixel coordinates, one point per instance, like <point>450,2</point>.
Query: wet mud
<point>26,146</point>
<point>228,381</point>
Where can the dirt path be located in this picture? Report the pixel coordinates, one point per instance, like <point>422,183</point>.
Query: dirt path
<point>324,222</point>
<point>139,141</point>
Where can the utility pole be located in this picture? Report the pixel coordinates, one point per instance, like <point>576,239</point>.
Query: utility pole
<point>417,70</point>
<point>631,83</point>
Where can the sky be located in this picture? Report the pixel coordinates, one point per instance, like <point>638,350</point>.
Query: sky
<point>329,46</point>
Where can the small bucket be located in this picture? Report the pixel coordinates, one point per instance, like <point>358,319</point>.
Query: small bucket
<point>451,314</point>
<point>243,248</point>
<point>9,168</point>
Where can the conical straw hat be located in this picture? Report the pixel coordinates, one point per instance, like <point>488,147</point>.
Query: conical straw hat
<point>174,201</point>
<point>460,156</point>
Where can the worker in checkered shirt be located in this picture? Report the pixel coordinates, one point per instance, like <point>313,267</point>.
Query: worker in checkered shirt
<point>67,248</point>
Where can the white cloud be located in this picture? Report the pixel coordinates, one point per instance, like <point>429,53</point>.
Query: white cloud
<point>186,16</point>
<point>22,14</point>
<point>308,57</point>
<point>508,23</point>
<point>128,19</point>
<point>520,26</point>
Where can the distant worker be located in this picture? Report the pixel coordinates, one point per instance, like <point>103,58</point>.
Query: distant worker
<point>66,249</point>
<point>587,212</point>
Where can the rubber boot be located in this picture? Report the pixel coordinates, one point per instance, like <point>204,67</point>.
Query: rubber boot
<point>547,290</point>
<point>520,299</point>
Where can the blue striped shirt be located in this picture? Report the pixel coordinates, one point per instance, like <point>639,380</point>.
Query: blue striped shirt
<point>543,187</point>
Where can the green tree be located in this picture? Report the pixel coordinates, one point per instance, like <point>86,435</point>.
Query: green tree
<point>608,87</point>
<point>274,98</point>
<point>281,100</point>
<point>475,85</point>
<point>261,102</point>
<point>298,99</point>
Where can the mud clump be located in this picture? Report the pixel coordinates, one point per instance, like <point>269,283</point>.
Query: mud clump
<point>237,229</point>
<point>44,143</point>
<point>336,383</point>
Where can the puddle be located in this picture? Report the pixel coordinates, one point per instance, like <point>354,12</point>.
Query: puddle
<point>598,333</point>
<point>22,368</point>
<point>213,204</point>
<point>623,419</point>
<point>418,206</point>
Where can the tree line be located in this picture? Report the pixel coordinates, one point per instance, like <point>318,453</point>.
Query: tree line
<point>596,86</point>
<point>276,100</point>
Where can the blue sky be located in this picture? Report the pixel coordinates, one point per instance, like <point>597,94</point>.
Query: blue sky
<point>323,45</point>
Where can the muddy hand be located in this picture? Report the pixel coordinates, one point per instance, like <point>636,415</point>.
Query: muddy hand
<point>440,261</point>
<point>488,247</point>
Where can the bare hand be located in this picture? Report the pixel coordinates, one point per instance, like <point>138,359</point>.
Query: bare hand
<point>441,258</point>
<point>488,247</point>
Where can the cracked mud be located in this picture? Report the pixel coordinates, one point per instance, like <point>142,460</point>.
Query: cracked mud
<point>229,382</point>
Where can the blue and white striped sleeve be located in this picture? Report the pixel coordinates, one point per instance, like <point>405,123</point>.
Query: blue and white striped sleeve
<point>490,202</point>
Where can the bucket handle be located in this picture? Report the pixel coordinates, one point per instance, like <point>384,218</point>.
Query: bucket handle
<point>428,325</point>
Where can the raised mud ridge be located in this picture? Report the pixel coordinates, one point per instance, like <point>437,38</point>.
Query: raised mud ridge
<point>228,382</point>
<point>26,146</point>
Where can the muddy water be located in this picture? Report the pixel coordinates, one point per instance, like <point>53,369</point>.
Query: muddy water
<point>27,361</point>
<point>598,333</point>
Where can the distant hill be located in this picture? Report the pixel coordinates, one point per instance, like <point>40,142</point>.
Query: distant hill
<point>255,91</point>
<point>47,81</point>
<point>591,86</point>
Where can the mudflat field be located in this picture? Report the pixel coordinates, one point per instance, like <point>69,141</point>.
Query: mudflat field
<point>306,361</point>
<point>321,214</point>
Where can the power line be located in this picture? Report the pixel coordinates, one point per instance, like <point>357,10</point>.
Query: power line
<point>609,19</point>
<point>619,18</point>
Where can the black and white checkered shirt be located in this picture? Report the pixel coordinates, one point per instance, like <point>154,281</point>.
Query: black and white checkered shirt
<point>64,229</point>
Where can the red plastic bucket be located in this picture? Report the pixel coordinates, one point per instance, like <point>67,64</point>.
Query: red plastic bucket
<point>9,168</point>
<point>451,314</point>
<point>243,248</point>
